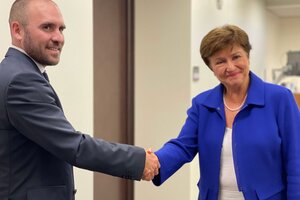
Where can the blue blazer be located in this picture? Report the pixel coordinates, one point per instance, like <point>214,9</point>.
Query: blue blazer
<point>39,147</point>
<point>265,143</point>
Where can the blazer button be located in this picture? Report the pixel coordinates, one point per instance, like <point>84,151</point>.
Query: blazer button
<point>74,191</point>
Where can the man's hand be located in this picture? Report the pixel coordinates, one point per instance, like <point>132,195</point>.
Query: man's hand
<point>151,166</point>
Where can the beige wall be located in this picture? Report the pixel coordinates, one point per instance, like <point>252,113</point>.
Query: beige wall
<point>273,33</point>
<point>4,30</point>
<point>73,77</point>
<point>290,32</point>
<point>162,84</point>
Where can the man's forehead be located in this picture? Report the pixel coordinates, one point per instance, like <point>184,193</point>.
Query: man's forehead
<point>43,7</point>
<point>45,11</point>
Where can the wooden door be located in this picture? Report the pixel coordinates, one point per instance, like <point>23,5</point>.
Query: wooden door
<point>113,86</point>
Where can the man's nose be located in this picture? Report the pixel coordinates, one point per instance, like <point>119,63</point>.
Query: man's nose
<point>58,36</point>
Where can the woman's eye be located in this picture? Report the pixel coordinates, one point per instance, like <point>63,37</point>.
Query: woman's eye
<point>236,57</point>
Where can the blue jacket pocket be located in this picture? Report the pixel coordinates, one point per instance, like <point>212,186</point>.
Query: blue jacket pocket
<point>275,192</point>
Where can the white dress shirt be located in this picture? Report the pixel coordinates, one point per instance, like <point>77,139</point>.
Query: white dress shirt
<point>228,185</point>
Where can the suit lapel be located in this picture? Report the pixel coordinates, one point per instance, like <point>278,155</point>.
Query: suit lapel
<point>21,55</point>
<point>56,98</point>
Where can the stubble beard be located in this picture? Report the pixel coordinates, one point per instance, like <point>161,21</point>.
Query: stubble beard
<point>36,53</point>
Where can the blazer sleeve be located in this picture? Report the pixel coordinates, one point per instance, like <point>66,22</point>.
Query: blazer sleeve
<point>289,128</point>
<point>176,152</point>
<point>33,111</point>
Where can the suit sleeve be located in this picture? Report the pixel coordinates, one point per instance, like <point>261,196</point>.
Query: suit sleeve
<point>289,128</point>
<point>33,111</point>
<point>176,152</point>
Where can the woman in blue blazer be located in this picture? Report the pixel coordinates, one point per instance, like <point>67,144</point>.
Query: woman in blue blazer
<point>245,131</point>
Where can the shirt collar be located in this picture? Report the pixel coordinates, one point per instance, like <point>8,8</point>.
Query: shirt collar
<point>41,67</point>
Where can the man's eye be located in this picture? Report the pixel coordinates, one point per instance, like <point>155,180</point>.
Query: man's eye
<point>47,28</point>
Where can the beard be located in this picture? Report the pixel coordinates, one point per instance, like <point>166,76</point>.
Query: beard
<point>36,52</point>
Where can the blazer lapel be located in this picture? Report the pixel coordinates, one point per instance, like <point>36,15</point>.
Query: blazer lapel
<point>31,64</point>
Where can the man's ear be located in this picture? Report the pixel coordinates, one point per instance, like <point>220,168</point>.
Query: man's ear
<point>17,30</point>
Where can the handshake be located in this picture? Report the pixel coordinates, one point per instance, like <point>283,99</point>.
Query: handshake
<point>151,166</point>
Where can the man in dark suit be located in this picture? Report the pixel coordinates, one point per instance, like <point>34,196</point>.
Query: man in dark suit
<point>38,146</point>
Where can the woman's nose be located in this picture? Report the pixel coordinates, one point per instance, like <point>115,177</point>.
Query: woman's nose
<point>230,65</point>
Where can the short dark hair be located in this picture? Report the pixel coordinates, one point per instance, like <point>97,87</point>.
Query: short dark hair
<point>222,37</point>
<point>18,12</point>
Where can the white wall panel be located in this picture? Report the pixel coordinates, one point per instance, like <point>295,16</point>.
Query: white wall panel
<point>162,85</point>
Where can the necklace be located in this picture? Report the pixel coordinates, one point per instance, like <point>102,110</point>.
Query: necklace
<point>234,109</point>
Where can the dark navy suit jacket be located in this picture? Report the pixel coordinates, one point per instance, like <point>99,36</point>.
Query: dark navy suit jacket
<point>38,146</point>
<point>265,143</point>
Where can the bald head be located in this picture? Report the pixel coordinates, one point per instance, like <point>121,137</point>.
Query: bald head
<point>19,11</point>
